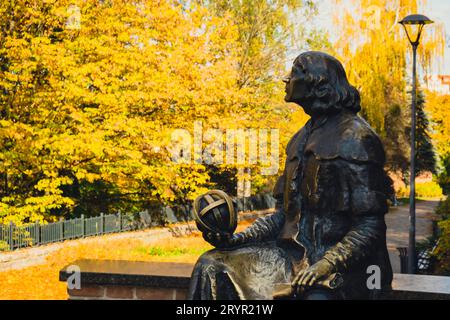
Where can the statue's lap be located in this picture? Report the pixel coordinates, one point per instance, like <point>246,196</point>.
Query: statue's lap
<point>253,270</point>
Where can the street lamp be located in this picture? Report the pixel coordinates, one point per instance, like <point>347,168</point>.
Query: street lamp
<point>415,24</point>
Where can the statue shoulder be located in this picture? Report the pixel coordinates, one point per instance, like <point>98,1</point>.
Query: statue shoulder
<point>348,137</point>
<point>293,144</point>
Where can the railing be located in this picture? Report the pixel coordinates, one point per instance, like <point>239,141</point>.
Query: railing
<point>14,237</point>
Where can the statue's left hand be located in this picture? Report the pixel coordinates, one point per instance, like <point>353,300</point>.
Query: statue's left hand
<point>309,276</point>
<point>222,241</point>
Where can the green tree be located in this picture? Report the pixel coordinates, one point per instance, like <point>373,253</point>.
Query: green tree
<point>444,175</point>
<point>396,141</point>
<point>425,155</point>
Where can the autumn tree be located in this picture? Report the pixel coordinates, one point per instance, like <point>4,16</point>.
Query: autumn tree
<point>375,51</point>
<point>268,31</point>
<point>438,107</point>
<point>92,92</point>
<point>265,31</point>
<point>87,113</point>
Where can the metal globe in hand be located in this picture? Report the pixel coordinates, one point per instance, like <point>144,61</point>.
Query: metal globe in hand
<point>214,212</point>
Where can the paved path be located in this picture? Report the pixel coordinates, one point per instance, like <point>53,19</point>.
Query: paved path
<point>397,221</point>
<point>27,257</point>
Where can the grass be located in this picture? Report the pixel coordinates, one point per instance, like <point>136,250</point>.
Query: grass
<point>405,201</point>
<point>162,252</point>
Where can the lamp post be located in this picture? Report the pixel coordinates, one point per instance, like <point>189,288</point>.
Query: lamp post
<point>417,22</point>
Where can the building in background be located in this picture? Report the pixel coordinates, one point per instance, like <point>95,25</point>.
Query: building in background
<point>439,83</point>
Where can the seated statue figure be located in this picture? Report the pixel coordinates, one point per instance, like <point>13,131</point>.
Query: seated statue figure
<point>328,226</point>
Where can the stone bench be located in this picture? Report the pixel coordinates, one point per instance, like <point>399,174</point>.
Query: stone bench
<point>120,279</point>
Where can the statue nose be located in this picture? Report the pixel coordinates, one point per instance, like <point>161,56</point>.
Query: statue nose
<point>286,79</point>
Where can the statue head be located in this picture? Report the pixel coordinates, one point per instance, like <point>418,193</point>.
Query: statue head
<point>318,84</point>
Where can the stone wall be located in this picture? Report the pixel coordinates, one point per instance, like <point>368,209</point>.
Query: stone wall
<point>111,292</point>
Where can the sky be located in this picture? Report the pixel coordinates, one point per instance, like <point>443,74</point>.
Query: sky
<point>439,10</point>
<point>436,10</point>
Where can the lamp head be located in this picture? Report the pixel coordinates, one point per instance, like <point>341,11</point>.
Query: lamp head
<point>415,23</point>
<point>416,19</point>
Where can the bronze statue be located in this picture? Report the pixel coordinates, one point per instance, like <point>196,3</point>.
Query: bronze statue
<point>329,225</point>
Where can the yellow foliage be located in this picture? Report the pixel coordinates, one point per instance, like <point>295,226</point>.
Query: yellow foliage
<point>84,104</point>
<point>438,107</point>
<point>93,103</point>
<point>374,49</point>
<point>423,190</point>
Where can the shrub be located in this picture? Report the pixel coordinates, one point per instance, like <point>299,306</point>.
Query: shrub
<point>423,190</point>
<point>444,176</point>
<point>443,209</point>
<point>442,252</point>
<point>3,246</point>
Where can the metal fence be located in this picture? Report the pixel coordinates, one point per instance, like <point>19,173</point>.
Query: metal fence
<point>14,237</point>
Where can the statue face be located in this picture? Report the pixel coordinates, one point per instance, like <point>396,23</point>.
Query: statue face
<point>296,86</point>
<point>318,83</point>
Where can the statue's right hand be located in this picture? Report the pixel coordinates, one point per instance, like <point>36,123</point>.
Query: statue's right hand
<point>221,241</point>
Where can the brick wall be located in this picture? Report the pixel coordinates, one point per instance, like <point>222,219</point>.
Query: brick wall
<point>97,292</point>
<point>127,280</point>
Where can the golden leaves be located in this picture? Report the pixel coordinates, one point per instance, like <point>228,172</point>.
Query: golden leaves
<point>374,49</point>
<point>98,103</point>
<point>438,105</point>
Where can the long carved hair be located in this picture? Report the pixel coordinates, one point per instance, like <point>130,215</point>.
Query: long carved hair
<point>330,90</point>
